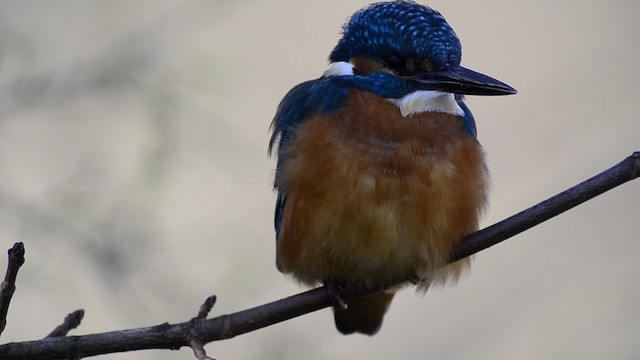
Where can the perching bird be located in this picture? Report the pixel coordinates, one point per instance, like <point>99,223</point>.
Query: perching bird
<point>379,172</point>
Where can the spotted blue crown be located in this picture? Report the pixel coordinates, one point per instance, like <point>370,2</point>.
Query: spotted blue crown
<point>399,29</point>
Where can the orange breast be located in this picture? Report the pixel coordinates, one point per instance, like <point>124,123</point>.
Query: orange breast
<point>375,198</point>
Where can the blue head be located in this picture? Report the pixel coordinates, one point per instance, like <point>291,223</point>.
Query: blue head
<point>400,35</point>
<point>414,43</point>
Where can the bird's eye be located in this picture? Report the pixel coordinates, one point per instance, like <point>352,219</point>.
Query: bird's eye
<point>403,65</point>
<point>396,62</point>
<point>412,65</point>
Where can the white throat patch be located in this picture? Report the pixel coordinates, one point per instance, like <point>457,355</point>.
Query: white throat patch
<point>414,103</point>
<point>428,101</point>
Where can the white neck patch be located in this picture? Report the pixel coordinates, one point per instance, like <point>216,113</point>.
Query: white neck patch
<point>339,68</point>
<point>428,101</point>
<point>414,103</point>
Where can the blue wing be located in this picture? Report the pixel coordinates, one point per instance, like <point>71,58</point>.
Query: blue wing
<point>324,95</point>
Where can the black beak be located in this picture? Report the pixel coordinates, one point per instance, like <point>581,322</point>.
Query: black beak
<point>460,80</point>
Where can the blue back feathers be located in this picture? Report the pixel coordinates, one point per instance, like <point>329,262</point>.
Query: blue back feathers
<point>314,96</point>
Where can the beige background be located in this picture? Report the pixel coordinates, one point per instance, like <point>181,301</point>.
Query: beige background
<point>133,165</point>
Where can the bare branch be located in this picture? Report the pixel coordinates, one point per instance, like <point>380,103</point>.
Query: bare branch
<point>166,336</point>
<point>626,170</point>
<point>71,322</point>
<point>8,286</point>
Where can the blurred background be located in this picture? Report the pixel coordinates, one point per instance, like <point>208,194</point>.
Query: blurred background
<point>133,166</point>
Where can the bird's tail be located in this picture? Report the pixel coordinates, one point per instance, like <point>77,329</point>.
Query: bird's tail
<point>363,315</point>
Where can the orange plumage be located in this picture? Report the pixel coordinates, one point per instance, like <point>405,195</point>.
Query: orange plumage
<point>376,198</point>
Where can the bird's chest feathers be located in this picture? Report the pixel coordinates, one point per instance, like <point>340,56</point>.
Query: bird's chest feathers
<point>371,138</point>
<point>397,190</point>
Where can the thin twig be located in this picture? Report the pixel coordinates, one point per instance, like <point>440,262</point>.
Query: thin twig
<point>206,307</point>
<point>198,349</point>
<point>70,322</point>
<point>8,286</point>
<point>166,336</point>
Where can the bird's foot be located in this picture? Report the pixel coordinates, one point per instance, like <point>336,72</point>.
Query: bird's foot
<point>335,292</point>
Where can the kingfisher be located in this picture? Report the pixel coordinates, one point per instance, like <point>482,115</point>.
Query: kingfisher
<point>379,171</point>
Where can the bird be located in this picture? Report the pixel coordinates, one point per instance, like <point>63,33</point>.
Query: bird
<point>379,171</point>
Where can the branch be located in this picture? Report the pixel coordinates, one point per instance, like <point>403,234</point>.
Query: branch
<point>166,336</point>
<point>196,344</point>
<point>626,170</point>
<point>8,286</point>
